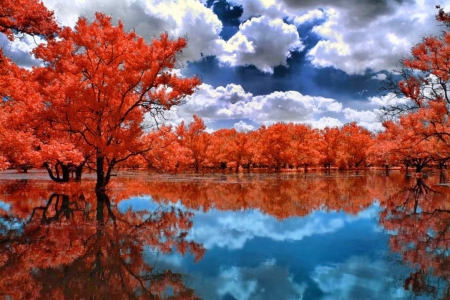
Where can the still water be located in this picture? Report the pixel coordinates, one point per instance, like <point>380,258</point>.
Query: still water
<point>226,236</point>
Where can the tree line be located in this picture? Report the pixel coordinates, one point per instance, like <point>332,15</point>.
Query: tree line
<point>83,107</point>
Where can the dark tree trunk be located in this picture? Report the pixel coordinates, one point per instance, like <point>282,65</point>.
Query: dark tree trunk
<point>101,178</point>
<point>65,170</point>
<point>419,168</point>
<point>78,171</point>
<point>442,178</point>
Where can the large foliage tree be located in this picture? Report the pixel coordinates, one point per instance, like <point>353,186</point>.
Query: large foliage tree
<point>97,83</point>
<point>425,82</point>
<point>17,18</point>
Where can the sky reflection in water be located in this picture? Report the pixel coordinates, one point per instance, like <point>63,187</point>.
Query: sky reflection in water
<point>266,236</point>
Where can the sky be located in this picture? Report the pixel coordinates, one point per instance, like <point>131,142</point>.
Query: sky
<point>317,62</point>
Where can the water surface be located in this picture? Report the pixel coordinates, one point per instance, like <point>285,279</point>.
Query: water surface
<point>226,236</point>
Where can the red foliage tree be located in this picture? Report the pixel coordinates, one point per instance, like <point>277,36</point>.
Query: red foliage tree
<point>196,141</point>
<point>98,82</point>
<point>26,16</point>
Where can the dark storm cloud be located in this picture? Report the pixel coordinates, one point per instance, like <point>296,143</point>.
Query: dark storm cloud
<point>359,12</point>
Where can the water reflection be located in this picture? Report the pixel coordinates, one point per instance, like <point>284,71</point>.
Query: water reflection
<point>75,246</point>
<point>419,218</point>
<point>255,237</point>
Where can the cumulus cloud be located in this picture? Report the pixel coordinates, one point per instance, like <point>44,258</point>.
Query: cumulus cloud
<point>310,16</point>
<point>255,8</point>
<point>243,127</point>
<point>262,42</point>
<point>388,100</point>
<point>379,76</point>
<point>371,34</point>
<point>232,102</point>
<point>187,18</point>
<point>365,118</point>
<point>325,122</point>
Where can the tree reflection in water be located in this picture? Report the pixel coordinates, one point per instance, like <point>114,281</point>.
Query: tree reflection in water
<point>76,246</point>
<point>73,243</point>
<point>419,219</point>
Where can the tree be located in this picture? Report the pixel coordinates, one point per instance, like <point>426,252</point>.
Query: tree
<point>26,16</point>
<point>196,141</point>
<point>304,146</point>
<point>19,17</point>
<point>98,82</point>
<point>425,82</point>
<point>331,139</point>
<point>354,146</point>
<point>274,142</point>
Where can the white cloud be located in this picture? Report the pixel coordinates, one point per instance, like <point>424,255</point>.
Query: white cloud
<point>187,18</point>
<point>232,102</point>
<point>19,50</point>
<point>243,127</point>
<point>325,122</point>
<point>387,100</point>
<point>254,8</point>
<point>262,42</point>
<point>365,118</point>
<point>354,41</point>
<point>379,76</point>
<point>311,15</point>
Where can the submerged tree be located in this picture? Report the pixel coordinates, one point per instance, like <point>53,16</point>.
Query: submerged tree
<point>98,82</point>
<point>425,82</point>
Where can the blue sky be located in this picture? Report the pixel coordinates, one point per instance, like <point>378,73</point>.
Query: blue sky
<point>263,61</point>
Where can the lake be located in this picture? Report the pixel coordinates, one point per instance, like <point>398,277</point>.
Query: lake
<point>354,235</point>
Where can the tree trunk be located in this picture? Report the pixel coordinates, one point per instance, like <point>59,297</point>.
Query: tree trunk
<point>101,179</point>
<point>419,168</point>
<point>78,171</point>
<point>64,169</point>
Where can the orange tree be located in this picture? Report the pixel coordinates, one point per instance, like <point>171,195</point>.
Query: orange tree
<point>26,16</point>
<point>196,141</point>
<point>19,17</point>
<point>97,83</point>
<point>356,141</point>
<point>330,143</point>
<point>426,84</point>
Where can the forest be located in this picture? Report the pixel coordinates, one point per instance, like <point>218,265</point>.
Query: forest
<point>83,109</point>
